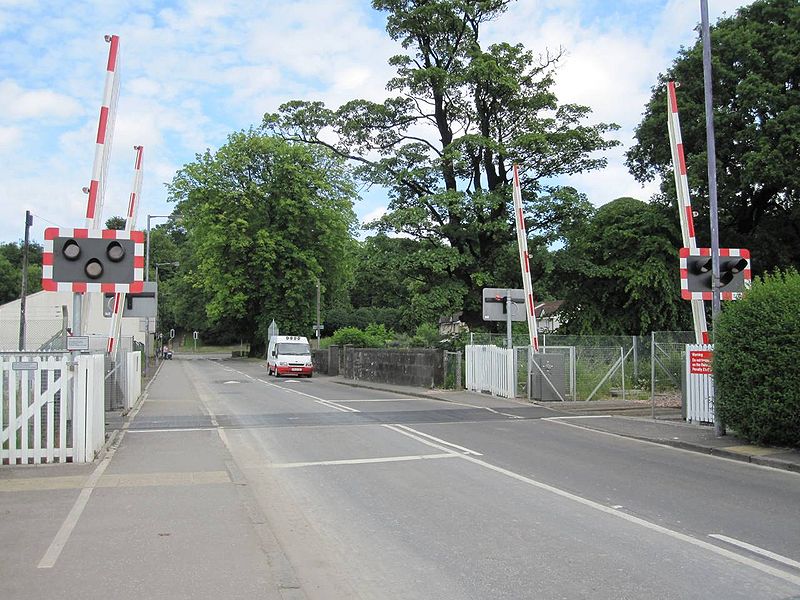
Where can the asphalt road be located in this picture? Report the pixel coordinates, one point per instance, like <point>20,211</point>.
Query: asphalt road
<point>372,495</point>
<point>227,483</point>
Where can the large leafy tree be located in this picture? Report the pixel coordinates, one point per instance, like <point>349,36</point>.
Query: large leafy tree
<point>263,220</point>
<point>618,272</point>
<point>757,122</point>
<point>445,142</point>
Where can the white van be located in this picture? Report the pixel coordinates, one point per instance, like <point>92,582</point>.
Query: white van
<point>289,355</point>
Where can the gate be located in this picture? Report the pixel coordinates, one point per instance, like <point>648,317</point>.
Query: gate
<point>50,410</point>
<point>490,369</point>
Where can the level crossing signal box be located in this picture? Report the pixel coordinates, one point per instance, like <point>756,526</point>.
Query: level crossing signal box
<point>93,260</point>
<point>734,273</point>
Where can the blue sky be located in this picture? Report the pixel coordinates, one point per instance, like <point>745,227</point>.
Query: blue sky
<point>194,71</point>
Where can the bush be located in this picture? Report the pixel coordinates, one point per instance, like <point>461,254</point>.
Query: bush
<point>376,336</point>
<point>756,366</point>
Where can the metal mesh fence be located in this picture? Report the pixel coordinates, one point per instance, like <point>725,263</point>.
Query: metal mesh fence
<point>637,368</point>
<point>45,330</point>
<point>454,370</point>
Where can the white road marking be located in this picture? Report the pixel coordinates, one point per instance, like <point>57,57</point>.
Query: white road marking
<point>766,553</point>
<point>576,417</point>
<point>362,461</point>
<point>435,439</point>
<point>171,430</point>
<point>794,579</point>
<point>62,536</point>
<point>349,400</point>
<point>442,445</point>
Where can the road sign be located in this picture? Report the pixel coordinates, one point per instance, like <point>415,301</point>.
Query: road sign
<point>194,335</point>
<point>93,260</point>
<point>494,304</point>
<point>171,333</point>
<point>734,273</point>
<point>319,327</point>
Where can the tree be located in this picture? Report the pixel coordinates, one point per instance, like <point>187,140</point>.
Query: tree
<point>116,223</point>
<point>619,272</point>
<point>11,270</point>
<point>263,219</point>
<point>757,123</point>
<point>445,144</point>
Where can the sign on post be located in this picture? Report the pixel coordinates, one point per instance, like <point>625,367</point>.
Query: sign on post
<point>495,305</point>
<point>78,342</point>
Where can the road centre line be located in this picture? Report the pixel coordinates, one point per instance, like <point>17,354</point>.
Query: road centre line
<point>755,549</point>
<point>362,461</point>
<point>794,579</point>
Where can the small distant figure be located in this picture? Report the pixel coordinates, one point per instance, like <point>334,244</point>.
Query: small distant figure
<point>166,353</point>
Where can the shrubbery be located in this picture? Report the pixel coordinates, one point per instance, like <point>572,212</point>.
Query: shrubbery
<point>757,361</point>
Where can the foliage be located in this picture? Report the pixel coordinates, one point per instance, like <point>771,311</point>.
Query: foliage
<point>618,272</point>
<point>445,143</point>
<point>756,370</point>
<point>757,124</point>
<point>426,336</point>
<point>11,270</point>
<point>340,317</point>
<point>354,336</point>
<point>263,219</point>
<point>116,223</point>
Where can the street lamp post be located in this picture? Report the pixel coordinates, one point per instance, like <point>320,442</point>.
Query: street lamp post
<point>161,264</point>
<point>147,278</point>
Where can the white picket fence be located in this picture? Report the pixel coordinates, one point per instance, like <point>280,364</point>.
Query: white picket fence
<point>699,383</point>
<point>48,411</point>
<point>133,379</point>
<point>490,369</point>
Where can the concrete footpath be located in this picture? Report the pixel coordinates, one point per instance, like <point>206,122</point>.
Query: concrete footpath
<point>162,514</point>
<point>614,417</point>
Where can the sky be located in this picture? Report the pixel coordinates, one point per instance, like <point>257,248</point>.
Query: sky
<point>194,71</point>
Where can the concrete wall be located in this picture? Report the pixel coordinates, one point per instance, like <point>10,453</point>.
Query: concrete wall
<point>419,367</point>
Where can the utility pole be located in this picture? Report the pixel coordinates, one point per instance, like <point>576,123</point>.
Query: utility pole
<point>318,315</point>
<point>24,293</point>
<point>719,426</point>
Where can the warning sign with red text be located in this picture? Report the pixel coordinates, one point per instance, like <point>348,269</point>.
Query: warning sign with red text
<point>700,362</point>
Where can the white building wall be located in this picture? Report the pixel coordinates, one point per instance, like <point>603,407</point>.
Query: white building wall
<point>43,312</point>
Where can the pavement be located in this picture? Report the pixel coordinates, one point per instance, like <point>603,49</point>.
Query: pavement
<point>625,419</point>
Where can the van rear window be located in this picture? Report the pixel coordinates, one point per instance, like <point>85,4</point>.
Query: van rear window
<point>293,348</point>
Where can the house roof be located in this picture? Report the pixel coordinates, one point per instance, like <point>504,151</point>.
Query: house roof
<point>548,309</point>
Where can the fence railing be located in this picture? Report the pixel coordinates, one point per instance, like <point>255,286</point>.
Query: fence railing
<point>491,369</point>
<point>51,410</point>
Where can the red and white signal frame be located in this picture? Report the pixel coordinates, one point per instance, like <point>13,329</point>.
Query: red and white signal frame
<point>50,285</point>
<point>685,253</point>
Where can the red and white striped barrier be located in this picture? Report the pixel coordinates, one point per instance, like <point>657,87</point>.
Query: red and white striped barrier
<point>105,133</point>
<point>524,261</point>
<point>684,203</point>
<point>49,284</point>
<point>130,222</point>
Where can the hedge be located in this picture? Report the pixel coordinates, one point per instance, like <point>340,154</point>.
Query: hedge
<point>757,361</point>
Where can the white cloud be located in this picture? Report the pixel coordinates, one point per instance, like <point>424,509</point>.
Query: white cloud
<point>21,104</point>
<point>200,69</point>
